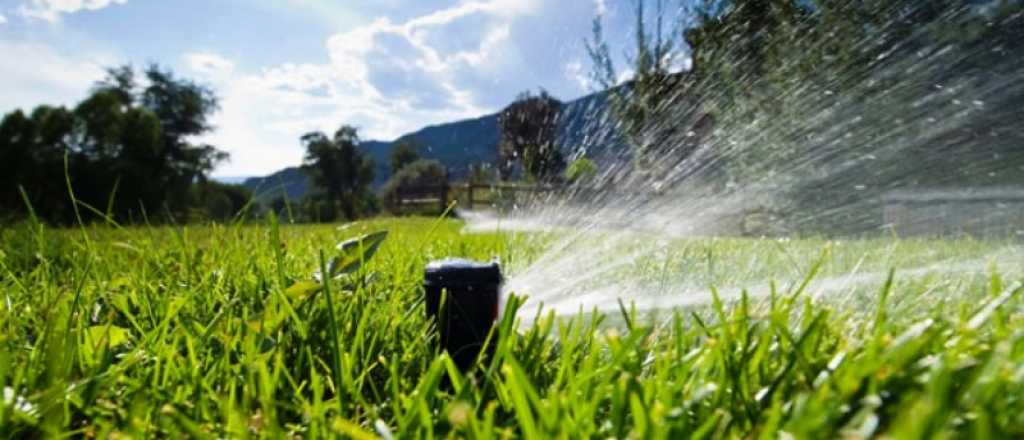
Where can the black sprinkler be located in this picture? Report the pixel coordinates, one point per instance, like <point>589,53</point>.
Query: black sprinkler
<point>462,298</point>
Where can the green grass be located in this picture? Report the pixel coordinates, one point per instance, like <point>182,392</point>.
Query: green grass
<point>193,332</point>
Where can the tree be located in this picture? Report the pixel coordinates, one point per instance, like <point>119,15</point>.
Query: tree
<point>32,149</point>
<point>129,149</point>
<point>403,153</point>
<point>338,167</point>
<point>184,109</point>
<point>898,77</point>
<point>528,129</point>
<point>743,38</point>
<point>121,82</point>
<point>656,108</point>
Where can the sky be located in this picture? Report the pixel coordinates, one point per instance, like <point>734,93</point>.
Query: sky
<point>283,68</point>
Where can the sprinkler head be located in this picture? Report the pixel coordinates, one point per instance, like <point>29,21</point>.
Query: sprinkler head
<point>462,298</point>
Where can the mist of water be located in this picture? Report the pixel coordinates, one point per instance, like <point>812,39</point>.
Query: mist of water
<point>921,141</point>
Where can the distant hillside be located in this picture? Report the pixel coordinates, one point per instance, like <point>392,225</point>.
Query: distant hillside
<point>463,143</point>
<point>230,180</point>
<point>585,127</point>
<point>456,144</point>
<point>290,181</point>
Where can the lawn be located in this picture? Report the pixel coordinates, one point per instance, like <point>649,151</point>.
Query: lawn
<point>207,331</point>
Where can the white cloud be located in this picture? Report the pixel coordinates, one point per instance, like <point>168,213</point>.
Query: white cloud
<point>38,74</point>
<point>488,46</point>
<point>51,10</point>
<point>209,65</point>
<point>3,19</point>
<point>391,77</point>
<point>625,75</point>
<point>431,61</point>
<point>263,115</point>
<point>386,78</point>
<point>575,71</point>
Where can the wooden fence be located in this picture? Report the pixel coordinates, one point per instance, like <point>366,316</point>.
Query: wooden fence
<point>968,211</point>
<point>469,195</point>
<point>993,211</point>
<point>420,198</point>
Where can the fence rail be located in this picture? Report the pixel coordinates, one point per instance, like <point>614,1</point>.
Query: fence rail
<point>419,197</point>
<point>469,195</point>
<point>967,211</point>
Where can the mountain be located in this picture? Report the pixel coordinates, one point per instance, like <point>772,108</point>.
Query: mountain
<point>456,144</point>
<point>583,129</point>
<point>230,180</point>
<point>290,182</point>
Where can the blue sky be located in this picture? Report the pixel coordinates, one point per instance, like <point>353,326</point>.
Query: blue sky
<point>285,67</point>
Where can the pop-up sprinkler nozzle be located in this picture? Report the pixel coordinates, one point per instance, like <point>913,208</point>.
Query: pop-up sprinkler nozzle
<point>462,298</point>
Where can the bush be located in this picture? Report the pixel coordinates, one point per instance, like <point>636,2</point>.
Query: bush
<point>218,201</point>
<point>420,174</point>
<point>581,170</point>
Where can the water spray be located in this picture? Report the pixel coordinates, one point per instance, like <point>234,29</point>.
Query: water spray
<point>893,125</point>
<point>462,299</point>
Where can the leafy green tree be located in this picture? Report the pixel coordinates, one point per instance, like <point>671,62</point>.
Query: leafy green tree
<point>656,107</point>
<point>121,82</point>
<point>184,109</point>
<point>129,149</point>
<point>338,167</point>
<point>529,128</point>
<point>403,153</point>
<point>650,58</point>
<point>119,155</point>
<point>31,152</point>
<point>146,134</point>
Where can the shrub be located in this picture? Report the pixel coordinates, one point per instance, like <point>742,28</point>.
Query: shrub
<point>581,170</point>
<point>420,174</point>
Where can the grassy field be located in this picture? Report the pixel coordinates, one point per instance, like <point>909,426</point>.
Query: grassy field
<point>196,332</point>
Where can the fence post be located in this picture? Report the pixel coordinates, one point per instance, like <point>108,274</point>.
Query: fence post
<point>399,199</point>
<point>469,196</point>
<point>444,197</point>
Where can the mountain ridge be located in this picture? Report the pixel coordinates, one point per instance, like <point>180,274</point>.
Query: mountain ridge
<point>459,144</point>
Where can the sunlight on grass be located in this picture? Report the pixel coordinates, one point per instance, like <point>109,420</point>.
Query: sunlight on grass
<point>191,331</point>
